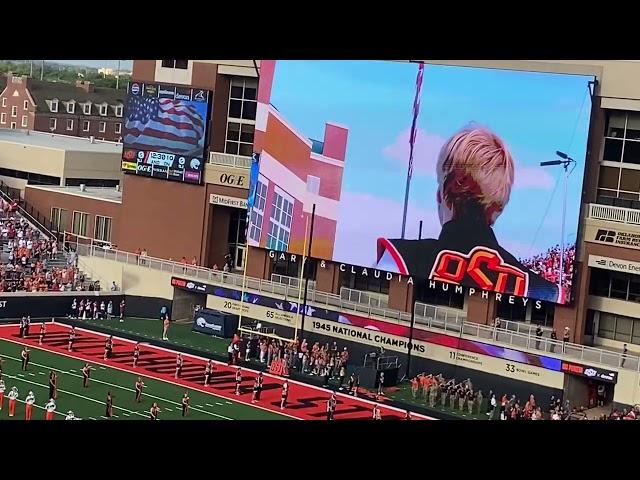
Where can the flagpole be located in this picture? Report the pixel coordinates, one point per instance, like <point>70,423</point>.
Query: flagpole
<point>412,140</point>
<point>306,277</point>
<point>301,280</point>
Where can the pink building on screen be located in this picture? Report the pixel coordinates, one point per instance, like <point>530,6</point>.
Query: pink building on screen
<point>295,173</point>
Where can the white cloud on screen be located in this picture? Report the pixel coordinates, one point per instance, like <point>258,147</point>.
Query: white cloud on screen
<point>425,151</point>
<point>425,158</point>
<point>363,218</point>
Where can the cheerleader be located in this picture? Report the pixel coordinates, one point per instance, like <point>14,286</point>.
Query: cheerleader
<point>179,364</point>
<point>136,354</point>
<point>28,409</point>
<point>50,408</point>
<point>43,332</point>
<point>13,395</point>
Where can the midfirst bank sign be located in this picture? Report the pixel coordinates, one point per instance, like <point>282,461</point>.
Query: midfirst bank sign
<point>396,277</point>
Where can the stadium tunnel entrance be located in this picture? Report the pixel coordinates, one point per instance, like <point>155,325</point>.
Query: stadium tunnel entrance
<point>588,392</point>
<point>185,303</point>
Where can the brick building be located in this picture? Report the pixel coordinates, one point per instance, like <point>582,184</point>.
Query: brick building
<point>80,110</point>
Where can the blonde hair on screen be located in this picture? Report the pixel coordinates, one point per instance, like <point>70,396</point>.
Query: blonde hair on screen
<point>476,172</point>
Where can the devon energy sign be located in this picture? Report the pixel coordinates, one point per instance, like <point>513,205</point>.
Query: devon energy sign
<point>614,264</point>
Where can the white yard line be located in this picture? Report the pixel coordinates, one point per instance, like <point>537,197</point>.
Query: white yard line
<point>165,400</point>
<point>77,395</point>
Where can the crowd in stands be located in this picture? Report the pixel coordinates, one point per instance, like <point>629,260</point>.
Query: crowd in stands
<point>25,257</point>
<point>547,264</point>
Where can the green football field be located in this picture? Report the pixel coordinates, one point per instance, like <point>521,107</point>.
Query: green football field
<point>89,403</point>
<point>181,334</point>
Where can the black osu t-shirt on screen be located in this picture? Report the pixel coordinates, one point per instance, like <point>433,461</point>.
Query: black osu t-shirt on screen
<point>466,253</point>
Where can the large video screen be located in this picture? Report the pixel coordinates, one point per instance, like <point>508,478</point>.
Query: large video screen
<point>165,132</point>
<point>481,211</point>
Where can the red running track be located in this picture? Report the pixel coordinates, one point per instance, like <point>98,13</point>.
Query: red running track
<point>305,402</point>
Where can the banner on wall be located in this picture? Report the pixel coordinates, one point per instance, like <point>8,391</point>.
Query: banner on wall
<point>285,312</point>
<point>588,371</point>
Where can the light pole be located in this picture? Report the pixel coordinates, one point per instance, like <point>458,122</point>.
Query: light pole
<point>565,161</point>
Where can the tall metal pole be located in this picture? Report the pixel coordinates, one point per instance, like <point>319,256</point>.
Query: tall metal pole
<point>306,273</point>
<point>304,262</point>
<point>420,230</point>
<point>564,214</point>
<point>412,141</point>
<point>30,68</point>
<point>407,372</point>
<point>42,70</point>
<point>406,202</point>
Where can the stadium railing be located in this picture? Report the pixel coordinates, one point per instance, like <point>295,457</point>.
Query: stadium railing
<point>425,315</point>
<point>290,281</point>
<point>238,161</point>
<point>377,300</point>
<point>614,214</point>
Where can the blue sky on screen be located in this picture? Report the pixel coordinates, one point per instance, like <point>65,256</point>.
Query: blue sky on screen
<point>535,113</point>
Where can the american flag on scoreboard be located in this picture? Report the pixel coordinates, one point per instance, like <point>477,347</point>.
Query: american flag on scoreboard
<point>164,124</point>
<point>416,111</point>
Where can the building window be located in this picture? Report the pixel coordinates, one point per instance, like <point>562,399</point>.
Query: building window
<point>103,229</point>
<point>54,106</point>
<point>620,328</point>
<point>4,101</point>
<point>443,294</point>
<point>3,118</point>
<point>69,124</point>
<point>287,268</point>
<point>103,109</point>
<point>543,316</point>
<point>118,127</point>
<point>86,108</point>
<point>181,64</point>
<point>26,105</point>
<point>102,127</point>
<point>71,107</point>
<point>621,146</point>
<point>25,121</point>
<point>58,216</point>
<point>366,284</point>
<point>239,139</point>
<point>119,111</point>
<point>280,222</point>
<point>618,285</point>
<point>257,212</point>
<point>85,125</point>
<point>53,124</point>
<point>80,223</point>
<point>516,312</point>
<point>13,125</point>
<point>313,184</point>
<point>243,98</point>
<point>14,111</point>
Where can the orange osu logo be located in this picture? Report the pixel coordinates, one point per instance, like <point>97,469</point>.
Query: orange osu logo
<point>484,266</point>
